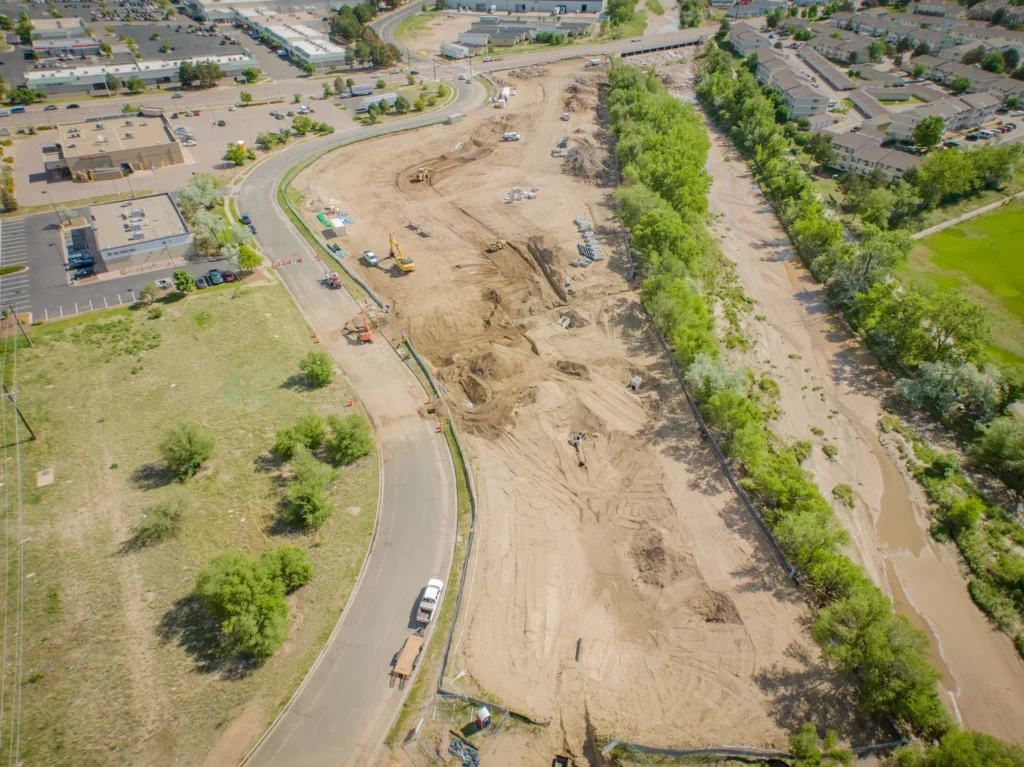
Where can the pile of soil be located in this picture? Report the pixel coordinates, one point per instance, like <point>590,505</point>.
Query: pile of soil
<point>584,162</point>
<point>528,73</point>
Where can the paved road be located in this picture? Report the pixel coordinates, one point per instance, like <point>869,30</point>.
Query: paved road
<point>345,707</point>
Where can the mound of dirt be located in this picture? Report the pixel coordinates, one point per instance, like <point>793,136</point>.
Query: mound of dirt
<point>495,364</point>
<point>584,162</point>
<point>574,369</point>
<point>529,73</point>
<point>655,566</point>
<point>578,103</point>
<point>714,606</point>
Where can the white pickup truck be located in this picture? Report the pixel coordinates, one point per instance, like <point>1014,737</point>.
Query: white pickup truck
<point>428,604</point>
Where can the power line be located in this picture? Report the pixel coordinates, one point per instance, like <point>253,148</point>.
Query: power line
<point>15,741</point>
<point>7,551</point>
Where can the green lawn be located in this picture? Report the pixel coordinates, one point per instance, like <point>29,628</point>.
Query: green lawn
<point>654,6</point>
<point>113,673</point>
<point>410,27</point>
<point>985,256</point>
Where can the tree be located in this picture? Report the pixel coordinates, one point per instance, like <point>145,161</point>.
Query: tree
<point>245,97</point>
<point>402,105</point>
<point>183,281</point>
<point>877,207</point>
<point>819,147</point>
<point>289,566</point>
<point>1011,58</point>
<point>302,125</point>
<point>206,232</point>
<point>877,50</point>
<point>65,214</point>
<point>350,439</point>
<point>328,91</point>
<point>959,748</point>
<point>306,495</point>
<point>243,595</point>
<point>113,84</point>
<point>149,292</point>
<point>380,84</point>
<point>973,56</point>
<point>959,85</point>
<point>723,30</point>
<point>923,49</point>
<point>24,28</point>
<point>158,523</point>
<point>918,70</point>
<point>318,369</point>
<point>135,85</point>
<point>928,132</point>
<point>208,73</point>
<point>238,154</point>
<point>953,388</point>
<point>350,83</point>
<point>1001,449</point>
<point>185,449</point>
<point>373,113</point>
<point>1013,102</point>
<point>5,23</point>
<point>248,259</point>
<point>993,62</point>
<point>808,752</point>
<point>852,57</point>
<point>187,73</point>
<point>418,105</point>
<point>251,74</point>
<point>202,192</point>
<point>960,328</point>
<point>308,68</point>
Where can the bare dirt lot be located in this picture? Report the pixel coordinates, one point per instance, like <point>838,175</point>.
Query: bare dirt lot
<point>832,392</point>
<point>690,632</point>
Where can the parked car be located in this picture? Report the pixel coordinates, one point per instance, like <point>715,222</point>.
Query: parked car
<point>972,137</point>
<point>164,284</point>
<point>252,230</point>
<point>202,282</point>
<point>635,39</point>
<point>245,219</point>
<point>414,71</point>
<point>216,277</point>
<point>291,114</point>
<point>232,108</point>
<point>229,276</point>
<point>178,96</point>
<point>951,144</point>
<point>81,274</point>
<point>50,108</point>
<point>370,257</point>
<point>221,123</point>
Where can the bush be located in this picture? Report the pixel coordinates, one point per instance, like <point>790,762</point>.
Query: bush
<point>306,495</point>
<point>963,514</point>
<point>155,313</point>
<point>830,450</point>
<point>802,450</point>
<point>289,566</point>
<point>309,431</point>
<point>844,494</point>
<point>247,600</point>
<point>350,439</point>
<point>185,449</point>
<point>318,369</point>
<point>158,523</point>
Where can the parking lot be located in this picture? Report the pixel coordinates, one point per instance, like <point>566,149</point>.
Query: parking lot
<point>45,290</point>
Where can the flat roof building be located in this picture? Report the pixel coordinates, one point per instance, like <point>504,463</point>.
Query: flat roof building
<point>139,231</point>
<point>151,72</point>
<point>46,29</point>
<point>111,147</point>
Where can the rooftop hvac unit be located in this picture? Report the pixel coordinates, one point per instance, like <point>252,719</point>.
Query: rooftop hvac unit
<point>127,122</point>
<point>138,236</point>
<point>101,139</point>
<point>99,126</point>
<point>129,135</point>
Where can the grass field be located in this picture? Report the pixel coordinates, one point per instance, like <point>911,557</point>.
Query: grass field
<point>409,27</point>
<point>983,255</point>
<point>654,6</point>
<point>113,670</point>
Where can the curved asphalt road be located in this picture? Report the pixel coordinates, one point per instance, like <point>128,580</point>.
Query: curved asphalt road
<point>344,707</point>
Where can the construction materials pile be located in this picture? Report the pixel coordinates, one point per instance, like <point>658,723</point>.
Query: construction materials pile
<point>518,194</point>
<point>590,250</point>
<point>582,94</point>
<point>528,73</point>
<point>584,162</point>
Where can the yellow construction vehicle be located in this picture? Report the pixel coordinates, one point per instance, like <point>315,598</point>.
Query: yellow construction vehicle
<point>496,246</point>
<point>404,263</point>
<point>421,174</point>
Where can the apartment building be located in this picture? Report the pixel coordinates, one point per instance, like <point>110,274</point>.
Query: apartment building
<point>985,11</point>
<point>843,47</point>
<point>945,72</point>
<point>948,8</point>
<point>891,162</point>
<point>830,74</point>
<point>746,40</point>
<point>1007,87</point>
<point>867,104</point>
<point>968,111</point>
<point>797,94</point>
<point>847,144</point>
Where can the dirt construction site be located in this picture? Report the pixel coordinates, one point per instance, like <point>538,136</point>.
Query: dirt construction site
<point>606,528</point>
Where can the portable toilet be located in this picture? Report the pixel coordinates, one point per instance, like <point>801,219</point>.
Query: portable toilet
<point>483,718</point>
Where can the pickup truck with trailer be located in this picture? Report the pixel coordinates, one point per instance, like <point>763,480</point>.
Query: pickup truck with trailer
<point>428,604</point>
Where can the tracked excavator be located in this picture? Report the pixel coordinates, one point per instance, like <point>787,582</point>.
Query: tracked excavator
<point>404,263</point>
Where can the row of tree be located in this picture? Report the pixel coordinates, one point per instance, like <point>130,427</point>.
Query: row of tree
<point>663,150</point>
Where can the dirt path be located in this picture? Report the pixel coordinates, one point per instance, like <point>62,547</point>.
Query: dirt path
<point>830,382</point>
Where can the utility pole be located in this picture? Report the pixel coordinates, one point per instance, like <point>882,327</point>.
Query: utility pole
<point>14,401</point>
<point>20,326</point>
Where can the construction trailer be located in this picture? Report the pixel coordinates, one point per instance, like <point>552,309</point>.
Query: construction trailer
<point>506,93</point>
<point>453,51</point>
<point>408,658</point>
<point>361,90</point>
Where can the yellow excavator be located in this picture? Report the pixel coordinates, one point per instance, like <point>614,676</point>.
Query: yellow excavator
<point>495,246</point>
<point>421,174</point>
<point>404,263</point>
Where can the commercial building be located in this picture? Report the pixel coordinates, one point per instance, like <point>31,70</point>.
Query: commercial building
<point>59,29</point>
<point>139,231</point>
<point>560,7</point>
<point>302,42</point>
<point>65,46</point>
<point>111,147</point>
<point>152,72</point>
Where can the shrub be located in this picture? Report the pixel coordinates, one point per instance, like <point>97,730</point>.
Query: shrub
<point>802,450</point>
<point>289,566</point>
<point>830,450</point>
<point>350,439</point>
<point>318,369</point>
<point>185,449</point>
<point>155,313</point>
<point>248,602</point>
<point>844,494</point>
<point>158,523</point>
<point>306,495</point>
<point>309,431</point>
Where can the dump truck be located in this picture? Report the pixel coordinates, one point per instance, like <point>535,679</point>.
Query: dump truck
<point>408,658</point>
<point>428,604</point>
